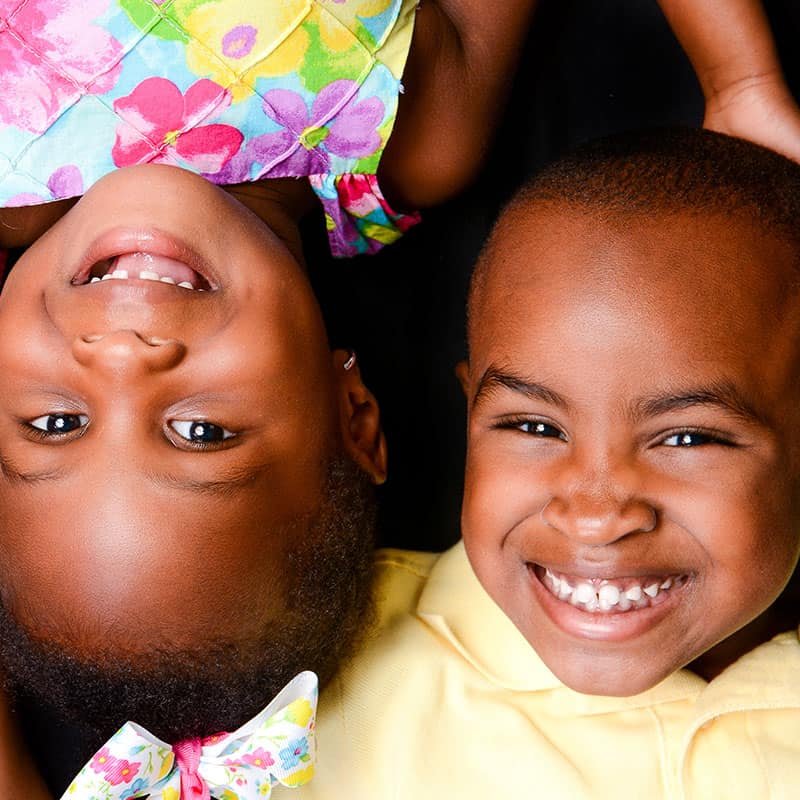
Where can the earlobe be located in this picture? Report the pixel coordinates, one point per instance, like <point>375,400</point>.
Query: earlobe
<point>359,417</point>
<point>462,373</point>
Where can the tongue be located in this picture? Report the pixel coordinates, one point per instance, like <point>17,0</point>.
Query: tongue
<point>164,267</point>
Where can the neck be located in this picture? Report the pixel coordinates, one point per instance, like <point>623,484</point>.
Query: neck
<point>781,616</point>
<point>280,203</point>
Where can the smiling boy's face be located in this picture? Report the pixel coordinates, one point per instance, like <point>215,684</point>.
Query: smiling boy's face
<point>632,473</point>
<point>160,443</point>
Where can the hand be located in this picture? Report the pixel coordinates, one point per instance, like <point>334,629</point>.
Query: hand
<point>761,110</point>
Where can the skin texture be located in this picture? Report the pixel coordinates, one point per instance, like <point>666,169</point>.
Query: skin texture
<point>633,412</point>
<point>456,82</point>
<point>122,502</point>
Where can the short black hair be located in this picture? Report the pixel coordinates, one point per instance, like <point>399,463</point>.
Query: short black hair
<point>664,171</point>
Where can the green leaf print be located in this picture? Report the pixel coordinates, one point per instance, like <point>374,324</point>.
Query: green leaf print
<point>322,66</point>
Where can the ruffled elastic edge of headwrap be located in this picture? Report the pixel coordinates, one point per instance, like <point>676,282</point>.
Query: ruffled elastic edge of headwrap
<point>357,216</point>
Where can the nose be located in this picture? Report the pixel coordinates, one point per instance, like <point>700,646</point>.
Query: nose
<point>599,514</point>
<point>127,352</point>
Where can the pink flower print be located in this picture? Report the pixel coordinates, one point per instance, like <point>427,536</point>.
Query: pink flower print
<point>337,124</point>
<point>102,760</point>
<point>51,52</point>
<point>259,758</point>
<point>162,126</point>
<point>358,197</point>
<point>122,771</point>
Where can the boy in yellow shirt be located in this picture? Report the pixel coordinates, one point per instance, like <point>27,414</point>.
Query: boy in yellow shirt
<point>630,508</point>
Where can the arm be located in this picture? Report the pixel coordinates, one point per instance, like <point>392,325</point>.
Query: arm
<point>18,775</point>
<point>457,78</point>
<point>730,45</point>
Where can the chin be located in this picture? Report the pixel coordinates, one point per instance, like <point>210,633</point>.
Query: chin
<point>607,677</point>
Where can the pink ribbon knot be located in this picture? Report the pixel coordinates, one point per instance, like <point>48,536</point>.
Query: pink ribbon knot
<point>187,754</point>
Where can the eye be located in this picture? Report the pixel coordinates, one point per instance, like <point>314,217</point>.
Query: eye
<point>534,427</point>
<point>692,439</point>
<point>200,432</point>
<point>58,424</point>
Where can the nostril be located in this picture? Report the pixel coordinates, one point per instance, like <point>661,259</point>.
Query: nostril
<point>121,350</point>
<point>152,341</point>
<point>599,520</point>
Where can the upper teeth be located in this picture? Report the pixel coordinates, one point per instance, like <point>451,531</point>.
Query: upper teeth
<point>145,275</point>
<point>604,595</point>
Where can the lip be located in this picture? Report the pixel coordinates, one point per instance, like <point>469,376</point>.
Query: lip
<point>609,627</point>
<point>122,241</point>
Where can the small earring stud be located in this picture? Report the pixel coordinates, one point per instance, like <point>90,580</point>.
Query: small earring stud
<point>351,360</point>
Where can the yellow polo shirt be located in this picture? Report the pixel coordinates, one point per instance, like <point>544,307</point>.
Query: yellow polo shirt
<point>448,700</point>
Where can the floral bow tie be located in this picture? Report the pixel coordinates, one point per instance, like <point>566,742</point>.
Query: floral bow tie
<point>276,746</point>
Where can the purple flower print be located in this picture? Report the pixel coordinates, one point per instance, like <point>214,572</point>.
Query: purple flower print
<point>66,181</point>
<point>239,41</point>
<point>337,124</point>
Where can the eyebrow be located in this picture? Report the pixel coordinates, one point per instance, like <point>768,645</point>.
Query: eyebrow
<point>229,484</point>
<point>495,378</point>
<point>723,395</point>
<point>16,475</point>
<point>225,485</point>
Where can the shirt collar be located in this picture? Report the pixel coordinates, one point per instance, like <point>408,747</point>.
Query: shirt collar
<point>764,678</point>
<point>457,607</point>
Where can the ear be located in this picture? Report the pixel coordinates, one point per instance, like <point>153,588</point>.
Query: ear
<point>359,418</point>
<point>462,373</point>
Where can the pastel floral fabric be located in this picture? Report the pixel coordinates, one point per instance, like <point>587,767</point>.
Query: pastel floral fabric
<point>275,747</point>
<point>236,90</point>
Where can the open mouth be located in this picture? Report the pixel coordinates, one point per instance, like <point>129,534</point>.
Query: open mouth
<point>139,266</point>
<point>609,595</point>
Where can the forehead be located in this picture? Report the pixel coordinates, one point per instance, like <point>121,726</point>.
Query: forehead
<point>675,288</point>
<point>718,272</point>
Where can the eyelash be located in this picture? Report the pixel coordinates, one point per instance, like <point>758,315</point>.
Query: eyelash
<point>516,423</point>
<point>40,435</point>
<point>52,437</point>
<point>711,437</point>
<point>199,445</point>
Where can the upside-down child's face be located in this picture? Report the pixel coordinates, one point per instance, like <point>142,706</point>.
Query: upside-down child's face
<point>632,473</point>
<point>162,444</point>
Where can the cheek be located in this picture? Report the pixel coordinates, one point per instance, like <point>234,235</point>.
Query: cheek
<point>745,530</point>
<point>500,493</point>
